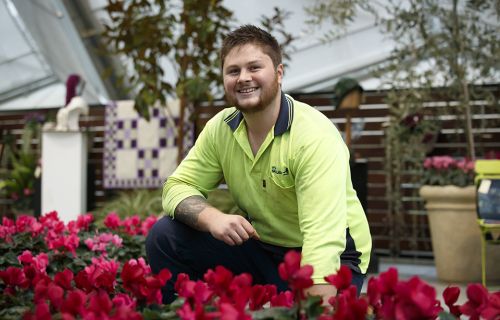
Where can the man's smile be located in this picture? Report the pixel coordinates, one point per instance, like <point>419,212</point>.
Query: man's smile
<point>247,90</point>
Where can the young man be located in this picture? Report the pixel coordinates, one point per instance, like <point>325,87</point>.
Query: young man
<point>287,168</point>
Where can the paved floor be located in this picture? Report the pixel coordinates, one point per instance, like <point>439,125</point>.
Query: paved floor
<point>427,272</point>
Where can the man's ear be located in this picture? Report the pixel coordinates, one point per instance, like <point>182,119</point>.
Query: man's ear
<point>279,72</point>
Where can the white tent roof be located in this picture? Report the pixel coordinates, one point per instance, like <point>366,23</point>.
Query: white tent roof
<point>43,46</point>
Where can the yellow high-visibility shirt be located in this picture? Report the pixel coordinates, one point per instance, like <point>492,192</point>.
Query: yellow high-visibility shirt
<point>296,191</point>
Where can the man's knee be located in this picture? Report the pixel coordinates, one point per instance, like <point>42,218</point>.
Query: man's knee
<point>159,244</point>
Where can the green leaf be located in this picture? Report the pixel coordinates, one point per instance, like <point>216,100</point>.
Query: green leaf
<point>276,313</point>
<point>446,316</point>
<point>313,307</point>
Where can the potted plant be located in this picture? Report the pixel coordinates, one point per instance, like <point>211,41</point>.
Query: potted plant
<point>450,195</point>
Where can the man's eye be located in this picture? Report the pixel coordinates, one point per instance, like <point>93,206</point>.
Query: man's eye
<point>253,68</point>
<point>232,72</point>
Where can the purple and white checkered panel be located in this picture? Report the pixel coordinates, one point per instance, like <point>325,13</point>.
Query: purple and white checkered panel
<point>126,133</point>
<point>139,153</point>
<point>147,165</point>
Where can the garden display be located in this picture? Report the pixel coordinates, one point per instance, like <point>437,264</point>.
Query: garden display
<point>52,270</point>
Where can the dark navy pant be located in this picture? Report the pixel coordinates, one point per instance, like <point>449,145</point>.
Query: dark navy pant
<point>173,245</point>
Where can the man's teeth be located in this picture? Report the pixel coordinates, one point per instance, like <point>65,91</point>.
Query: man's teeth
<point>248,90</point>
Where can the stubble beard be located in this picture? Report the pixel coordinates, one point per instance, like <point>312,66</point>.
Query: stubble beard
<point>266,97</point>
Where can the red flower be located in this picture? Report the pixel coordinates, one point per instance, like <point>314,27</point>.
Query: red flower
<point>181,277</point>
<point>147,224</point>
<point>64,279</point>
<point>84,221</point>
<point>412,299</point>
<point>28,224</point>
<point>82,281</point>
<point>218,280</point>
<point>42,312</point>
<point>261,295</point>
<point>132,225</point>
<point>478,299</point>
<point>55,294</point>
<point>7,229</point>
<point>122,299</point>
<point>195,292</point>
<point>492,310</point>
<point>342,280</point>
<point>74,302</point>
<point>229,312</point>
<point>185,312</point>
<point>41,289</point>
<point>101,274</point>
<point>388,281</point>
<point>298,278</point>
<point>132,272</point>
<point>14,277</point>
<point>100,303</point>
<point>137,279</point>
<point>151,290</point>
<point>240,290</point>
<point>415,299</point>
<point>283,299</point>
<point>348,306</point>
<point>112,221</point>
<point>39,262</point>
<point>373,292</point>
<point>450,296</point>
<point>65,243</point>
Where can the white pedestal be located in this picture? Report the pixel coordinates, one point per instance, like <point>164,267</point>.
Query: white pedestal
<point>64,173</point>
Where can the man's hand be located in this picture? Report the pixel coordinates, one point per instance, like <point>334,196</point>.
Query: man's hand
<point>326,291</point>
<point>232,229</point>
<point>195,212</point>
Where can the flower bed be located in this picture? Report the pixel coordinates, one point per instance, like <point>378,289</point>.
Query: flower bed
<point>49,270</point>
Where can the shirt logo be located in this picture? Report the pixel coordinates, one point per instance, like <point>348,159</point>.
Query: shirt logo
<point>277,171</point>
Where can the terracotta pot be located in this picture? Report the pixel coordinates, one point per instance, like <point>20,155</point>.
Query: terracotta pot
<point>455,234</point>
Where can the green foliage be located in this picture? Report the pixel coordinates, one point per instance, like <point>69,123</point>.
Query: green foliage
<point>152,32</point>
<point>141,202</point>
<point>275,24</point>
<point>189,37</point>
<point>447,44</point>
<point>132,247</point>
<point>276,313</point>
<point>338,12</point>
<point>18,184</point>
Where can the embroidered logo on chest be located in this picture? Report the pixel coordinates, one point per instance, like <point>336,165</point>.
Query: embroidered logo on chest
<point>283,171</point>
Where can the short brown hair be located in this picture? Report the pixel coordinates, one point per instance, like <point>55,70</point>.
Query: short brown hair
<point>249,34</point>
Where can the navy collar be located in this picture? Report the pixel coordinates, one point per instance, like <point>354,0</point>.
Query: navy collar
<point>283,123</point>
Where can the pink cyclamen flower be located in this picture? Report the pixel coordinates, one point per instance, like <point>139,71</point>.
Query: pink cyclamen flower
<point>100,274</point>
<point>147,224</point>
<point>28,224</point>
<point>442,162</point>
<point>112,221</point>
<point>132,225</point>
<point>84,221</point>
<point>39,262</point>
<point>101,241</point>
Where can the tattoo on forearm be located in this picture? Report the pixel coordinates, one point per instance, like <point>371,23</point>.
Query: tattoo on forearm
<point>189,209</point>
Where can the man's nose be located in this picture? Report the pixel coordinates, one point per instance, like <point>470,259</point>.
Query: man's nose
<point>244,76</point>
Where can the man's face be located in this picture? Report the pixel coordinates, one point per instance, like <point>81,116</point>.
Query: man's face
<point>251,82</point>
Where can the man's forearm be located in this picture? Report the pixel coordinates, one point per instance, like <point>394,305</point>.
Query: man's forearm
<point>188,211</point>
